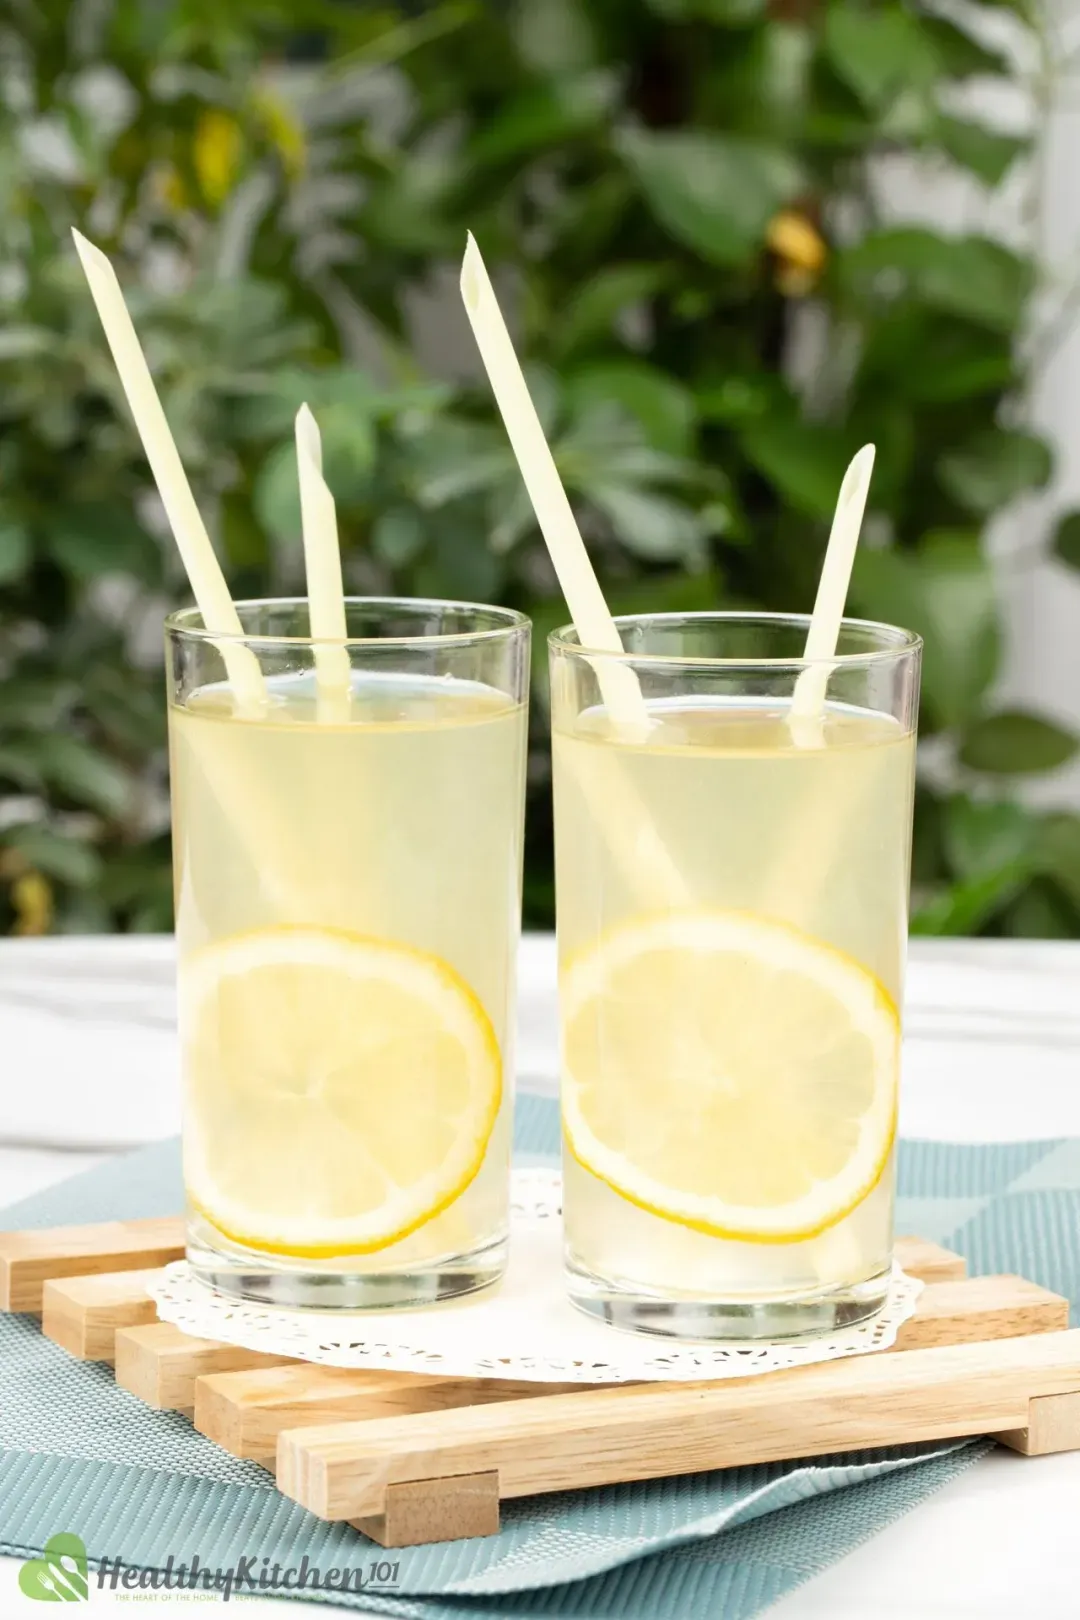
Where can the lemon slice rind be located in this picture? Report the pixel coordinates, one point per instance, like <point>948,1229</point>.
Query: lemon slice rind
<point>780,946</point>
<point>439,993</point>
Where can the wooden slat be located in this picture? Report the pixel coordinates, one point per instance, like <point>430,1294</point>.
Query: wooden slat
<point>82,1314</point>
<point>246,1411</point>
<point>1053,1424</point>
<point>566,1442</point>
<point>979,1309</point>
<point>929,1261</point>
<point>29,1259</point>
<point>160,1364</point>
<point>428,1510</point>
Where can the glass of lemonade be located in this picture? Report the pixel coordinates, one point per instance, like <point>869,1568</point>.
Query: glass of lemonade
<point>348,884</point>
<point>731,886</point>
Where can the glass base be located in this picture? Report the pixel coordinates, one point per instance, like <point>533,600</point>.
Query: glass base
<point>767,1318</point>
<point>274,1279</point>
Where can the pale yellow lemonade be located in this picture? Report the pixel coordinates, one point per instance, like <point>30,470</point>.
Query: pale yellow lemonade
<point>348,894</point>
<point>732,923</point>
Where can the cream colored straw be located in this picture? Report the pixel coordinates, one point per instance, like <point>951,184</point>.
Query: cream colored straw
<point>595,627</point>
<point>322,559</point>
<point>808,699</point>
<point>208,585</point>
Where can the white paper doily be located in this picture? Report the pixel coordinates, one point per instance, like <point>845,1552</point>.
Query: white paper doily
<point>523,1329</point>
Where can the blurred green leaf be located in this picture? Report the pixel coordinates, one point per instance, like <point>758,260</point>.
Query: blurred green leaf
<point>1014,743</point>
<point>982,836</point>
<point>545,390</point>
<point>1041,911</point>
<point>24,342</point>
<point>66,859</point>
<point>967,361</point>
<point>349,453</point>
<point>737,398</point>
<point>32,701</point>
<point>960,43</point>
<point>89,541</point>
<point>348,445</point>
<point>994,467</point>
<point>928,863</point>
<point>591,312</point>
<point>407,210</point>
<point>733,13</point>
<point>20,763</point>
<point>879,51</point>
<point>986,152</point>
<point>460,561</point>
<point>651,526</point>
<point>79,772</point>
<point>1060,852</point>
<point>1067,539</point>
<point>15,551</point>
<point>554,36</point>
<point>138,884</point>
<point>972,277</point>
<point>267,407</point>
<point>130,712</point>
<point>667,593</point>
<point>542,116</point>
<point>662,407</point>
<point>398,535</point>
<point>965,908</point>
<point>454,459</point>
<point>511,519</point>
<point>805,461</point>
<point>715,193</point>
<point>276,495</point>
<point>945,592</point>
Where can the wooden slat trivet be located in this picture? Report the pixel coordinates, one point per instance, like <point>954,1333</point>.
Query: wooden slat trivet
<point>82,1314</point>
<point>246,1411</point>
<point>409,1458</point>
<point>929,1261</point>
<point>160,1364</point>
<point>29,1259</point>
<point>650,1431</point>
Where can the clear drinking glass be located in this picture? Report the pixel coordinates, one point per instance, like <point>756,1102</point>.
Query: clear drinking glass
<point>348,886</point>
<point>731,887</point>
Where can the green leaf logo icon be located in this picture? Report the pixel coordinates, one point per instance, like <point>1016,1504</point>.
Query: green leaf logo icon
<point>59,1576</point>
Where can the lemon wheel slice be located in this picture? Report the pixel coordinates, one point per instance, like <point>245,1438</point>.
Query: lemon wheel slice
<point>340,1091</point>
<point>729,1073</point>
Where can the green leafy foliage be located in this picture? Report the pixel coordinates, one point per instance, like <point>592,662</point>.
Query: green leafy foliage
<point>943,589</point>
<point>714,193</point>
<point>1017,744</point>
<point>659,186</point>
<point>1067,540</point>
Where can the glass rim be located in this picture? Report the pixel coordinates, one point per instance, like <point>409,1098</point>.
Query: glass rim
<point>508,621</point>
<point>896,641</point>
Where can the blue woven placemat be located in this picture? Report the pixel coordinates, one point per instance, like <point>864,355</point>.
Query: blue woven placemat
<point>81,1455</point>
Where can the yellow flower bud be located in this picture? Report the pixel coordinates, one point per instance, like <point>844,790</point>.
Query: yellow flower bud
<point>32,898</point>
<point>797,243</point>
<point>216,154</point>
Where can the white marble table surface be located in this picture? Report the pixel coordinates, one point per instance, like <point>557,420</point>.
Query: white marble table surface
<point>992,1050</point>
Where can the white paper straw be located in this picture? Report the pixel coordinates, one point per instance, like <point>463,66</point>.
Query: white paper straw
<point>203,570</point>
<point>808,699</point>
<point>595,627</point>
<point>322,559</point>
